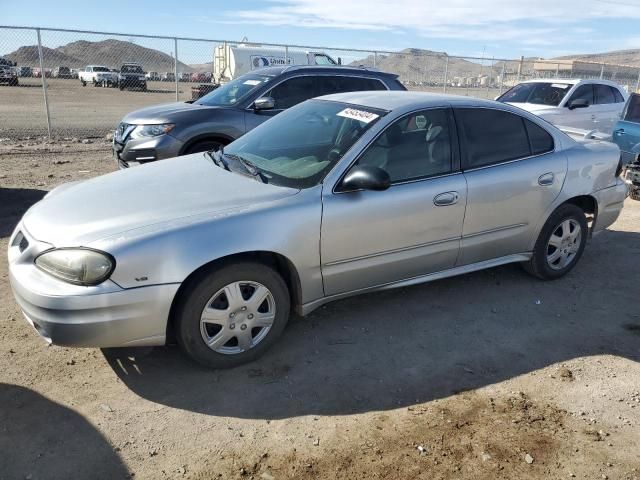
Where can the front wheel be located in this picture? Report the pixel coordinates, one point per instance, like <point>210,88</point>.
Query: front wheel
<point>560,243</point>
<point>231,315</point>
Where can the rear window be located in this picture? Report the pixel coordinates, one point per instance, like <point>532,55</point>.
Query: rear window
<point>604,94</point>
<point>492,136</point>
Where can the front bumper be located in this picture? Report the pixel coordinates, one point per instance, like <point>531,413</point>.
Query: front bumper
<point>102,316</point>
<point>131,82</point>
<point>129,153</point>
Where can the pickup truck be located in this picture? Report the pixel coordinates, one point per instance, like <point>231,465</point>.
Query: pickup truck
<point>8,74</point>
<point>98,75</point>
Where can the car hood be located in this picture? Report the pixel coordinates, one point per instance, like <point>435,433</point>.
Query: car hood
<point>534,108</point>
<point>163,113</point>
<point>83,212</point>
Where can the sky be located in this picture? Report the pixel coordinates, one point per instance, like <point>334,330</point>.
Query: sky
<point>487,28</point>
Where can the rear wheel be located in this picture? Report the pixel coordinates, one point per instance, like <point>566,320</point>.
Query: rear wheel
<point>560,243</point>
<point>231,315</point>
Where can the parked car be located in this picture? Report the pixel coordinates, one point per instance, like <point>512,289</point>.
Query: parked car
<point>184,77</point>
<point>132,76</point>
<point>585,104</point>
<point>98,75</point>
<point>153,77</point>
<point>8,74</point>
<point>62,72</point>
<point>37,72</point>
<point>168,77</point>
<point>626,132</point>
<point>74,73</point>
<point>166,131</point>
<point>25,71</point>
<point>188,248</point>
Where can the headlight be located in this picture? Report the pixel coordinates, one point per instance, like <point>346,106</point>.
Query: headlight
<point>79,266</point>
<point>143,131</point>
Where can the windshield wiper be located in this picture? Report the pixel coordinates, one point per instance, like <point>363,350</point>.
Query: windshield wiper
<point>249,166</point>
<point>218,159</point>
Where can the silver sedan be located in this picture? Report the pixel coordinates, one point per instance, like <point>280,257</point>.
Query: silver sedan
<point>337,196</point>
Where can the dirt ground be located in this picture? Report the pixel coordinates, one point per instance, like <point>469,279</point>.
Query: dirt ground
<point>89,111</point>
<point>492,375</point>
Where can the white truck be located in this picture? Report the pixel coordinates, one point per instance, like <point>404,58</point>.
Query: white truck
<point>231,61</point>
<point>98,75</point>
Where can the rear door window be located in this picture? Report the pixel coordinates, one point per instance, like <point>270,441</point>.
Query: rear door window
<point>337,84</point>
<point>604,94</point>
<point>491,136</point>
<point>583,92</point>
<point>293,91</point>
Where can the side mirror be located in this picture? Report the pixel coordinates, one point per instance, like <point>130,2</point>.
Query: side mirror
<point>578,103</point>
<point>366,177</point>
<point>264,103</point>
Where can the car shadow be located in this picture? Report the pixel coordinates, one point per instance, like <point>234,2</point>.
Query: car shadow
<point>57,443</point>
<point>411,345</point>
<point>13,203</point>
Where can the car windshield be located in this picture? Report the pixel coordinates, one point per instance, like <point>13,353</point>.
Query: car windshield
<point>131,69</point>
<point>234,91</point>
<point>101,69</point>
<point>297,148</point>
<point>539,93</point>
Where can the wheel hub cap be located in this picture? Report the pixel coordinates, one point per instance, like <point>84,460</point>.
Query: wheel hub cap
<point>250,306</point>
<point>564,244</point>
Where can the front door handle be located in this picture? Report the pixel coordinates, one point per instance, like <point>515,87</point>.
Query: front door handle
<point>546,179</point>
<point>619,131</point>
<point>446,198</point>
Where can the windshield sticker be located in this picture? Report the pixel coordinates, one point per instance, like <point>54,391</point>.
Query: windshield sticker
<point>360,115</point>
<point>252,82</point>
<point>560,85</point>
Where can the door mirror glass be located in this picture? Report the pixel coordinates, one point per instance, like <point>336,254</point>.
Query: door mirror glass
<point>264,103</point>
<point>366,177</point>
<point>578,103</point>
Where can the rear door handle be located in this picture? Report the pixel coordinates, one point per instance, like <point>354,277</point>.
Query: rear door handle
<point>619,132</point>
<point>446,198</point>
<point>546,179</point>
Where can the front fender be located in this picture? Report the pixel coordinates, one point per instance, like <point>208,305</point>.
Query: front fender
<point>169,252</point>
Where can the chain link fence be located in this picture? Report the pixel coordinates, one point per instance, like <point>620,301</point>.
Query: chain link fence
<point>79,84</point>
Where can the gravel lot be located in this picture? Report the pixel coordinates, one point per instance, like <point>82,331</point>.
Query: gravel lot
<point>78,111</point>
<point>492,375</point>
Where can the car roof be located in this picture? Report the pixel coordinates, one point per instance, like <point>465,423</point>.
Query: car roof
<point>399,99</point>
<point>341,69</point>
<point>572,81</point>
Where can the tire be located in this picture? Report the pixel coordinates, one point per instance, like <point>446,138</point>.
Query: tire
<point>568,225</point>
<point>229,326</point>
<point>84,84</point>
<point>203,146</point>
<point>121,87</point>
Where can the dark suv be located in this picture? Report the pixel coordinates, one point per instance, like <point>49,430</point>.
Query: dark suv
<point>233,109</point>
<point>132,76</point>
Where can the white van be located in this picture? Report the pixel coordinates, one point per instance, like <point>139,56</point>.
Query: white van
<point>231,61</point>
